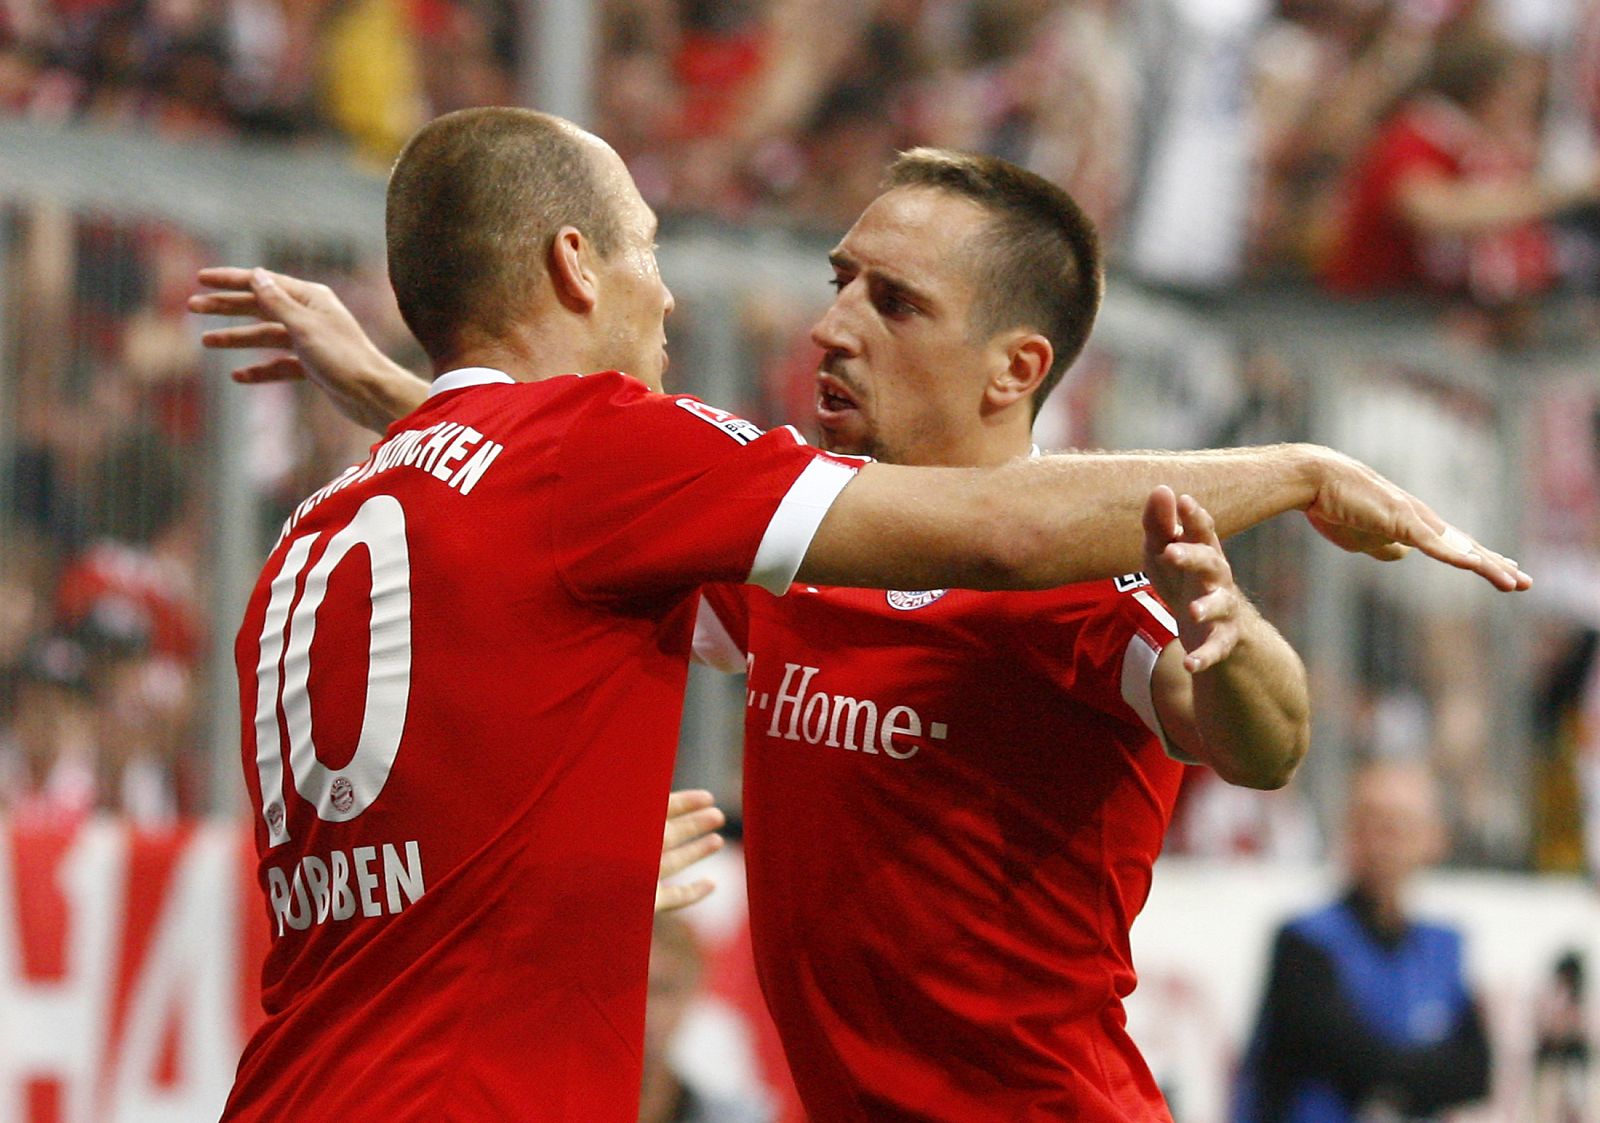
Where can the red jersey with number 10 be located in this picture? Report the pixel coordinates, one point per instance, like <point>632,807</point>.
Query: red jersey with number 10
<point>461,675</point>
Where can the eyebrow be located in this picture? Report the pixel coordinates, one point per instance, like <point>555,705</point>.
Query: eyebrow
<point>841,260</point>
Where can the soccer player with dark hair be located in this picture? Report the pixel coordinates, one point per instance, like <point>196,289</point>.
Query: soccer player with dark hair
<point>462,909</point>
<point>953,799</point>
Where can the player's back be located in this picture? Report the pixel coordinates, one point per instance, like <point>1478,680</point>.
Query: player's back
<point>432,721</point>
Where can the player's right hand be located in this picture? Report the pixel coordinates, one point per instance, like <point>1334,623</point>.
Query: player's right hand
<point>689,836</point>
<point>1185,562</point>
<point>1359,510</point>
<point>317,337</point>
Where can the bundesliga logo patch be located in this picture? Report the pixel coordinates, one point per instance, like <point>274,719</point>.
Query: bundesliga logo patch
<point>736,427</point>
<point>1130,581</point>
<point>905,602</point>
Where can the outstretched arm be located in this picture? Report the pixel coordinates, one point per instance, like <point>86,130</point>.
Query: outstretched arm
<point>1028,524</point>
<point>1231,692</point>
<point>1078,517</point>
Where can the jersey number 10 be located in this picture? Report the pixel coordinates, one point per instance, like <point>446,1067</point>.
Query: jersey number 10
<point>338,794</point>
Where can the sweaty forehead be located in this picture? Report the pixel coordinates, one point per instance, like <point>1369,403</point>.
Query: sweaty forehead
<point>922,233</point>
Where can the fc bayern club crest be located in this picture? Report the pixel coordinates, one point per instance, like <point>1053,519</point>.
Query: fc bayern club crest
<point>344,794</point>
<point>905,602</point>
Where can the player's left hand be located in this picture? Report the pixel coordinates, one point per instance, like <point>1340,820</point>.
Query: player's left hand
<point>315,338</point>
<point>690,836</point>
<point>1184,560</point>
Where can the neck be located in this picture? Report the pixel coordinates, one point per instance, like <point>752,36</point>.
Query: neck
<point>1388,911</point>
<point>999,439</point>
<point>543,347</point>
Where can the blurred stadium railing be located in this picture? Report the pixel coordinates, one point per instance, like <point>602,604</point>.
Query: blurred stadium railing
<point>140,489</point>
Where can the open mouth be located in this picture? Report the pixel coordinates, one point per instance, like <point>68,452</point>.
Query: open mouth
<point>832,399</point>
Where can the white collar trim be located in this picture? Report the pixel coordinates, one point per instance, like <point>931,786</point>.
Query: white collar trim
<point>467,376</point>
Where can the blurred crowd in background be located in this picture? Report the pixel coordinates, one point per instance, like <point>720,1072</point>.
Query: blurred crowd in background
<point>1213,140</point>
<point>1223,146</point>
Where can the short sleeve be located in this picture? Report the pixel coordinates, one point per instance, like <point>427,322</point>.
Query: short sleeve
<point>1100,640</point>
<point>659,494</point>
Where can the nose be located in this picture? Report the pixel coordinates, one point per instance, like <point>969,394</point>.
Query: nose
<point>831,332</point>
<point>669,303</point>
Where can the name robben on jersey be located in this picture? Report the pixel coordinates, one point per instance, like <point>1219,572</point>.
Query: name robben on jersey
<point>340,885</point>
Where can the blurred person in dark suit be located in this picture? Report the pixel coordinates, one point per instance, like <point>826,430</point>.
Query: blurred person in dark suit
<point>1367,1015</point>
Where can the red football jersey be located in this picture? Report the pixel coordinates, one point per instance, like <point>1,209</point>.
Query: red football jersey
<point>461,675</point>
<point>953,801</point>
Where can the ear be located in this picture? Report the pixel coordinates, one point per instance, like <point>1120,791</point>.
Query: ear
<point>572,272</point>
<point>1028,356</point>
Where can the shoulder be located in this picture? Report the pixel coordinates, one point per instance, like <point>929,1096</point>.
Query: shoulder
<point>1079,600</point>
<point>610,399</point>
<point>1427,132</point>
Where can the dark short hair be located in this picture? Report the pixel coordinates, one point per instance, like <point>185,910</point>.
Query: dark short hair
<point>474,204</point>
<point>1038,263</point>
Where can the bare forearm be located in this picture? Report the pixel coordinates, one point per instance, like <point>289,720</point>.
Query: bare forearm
<point>1043,522</point>
<point>385,392</point>
<point>1252,711</point>
<point>1241,487</point>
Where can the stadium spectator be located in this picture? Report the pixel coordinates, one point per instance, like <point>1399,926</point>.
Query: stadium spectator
<point>1327,74</point>
<point>47,751</point>
<point>676,969</point>
<point>1563,1050</point>
<point>1447,198</point>
<point>1366,1012</point>
<point>1188,226</point>
<point>145,713</point>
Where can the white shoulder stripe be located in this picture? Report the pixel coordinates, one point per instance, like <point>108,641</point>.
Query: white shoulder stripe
<point>1157,609</point>
<point>1138,669</point>
<point>788,536</point>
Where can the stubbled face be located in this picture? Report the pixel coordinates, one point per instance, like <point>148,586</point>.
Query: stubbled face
<point>902,374</point>
<point>636,302</point>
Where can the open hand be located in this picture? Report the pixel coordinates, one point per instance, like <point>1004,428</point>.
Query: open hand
<point>689,836</point>
<point>1359,510</point>
<point>1184,560</point>
<point>317,337</point>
